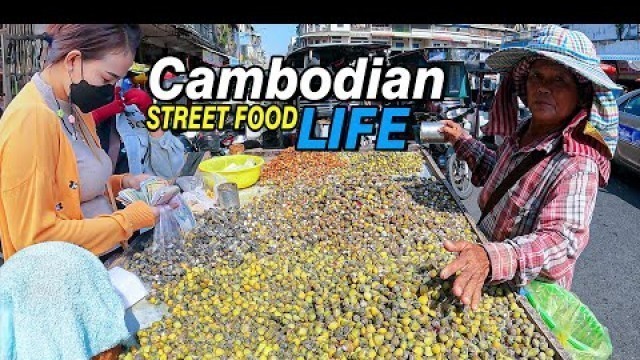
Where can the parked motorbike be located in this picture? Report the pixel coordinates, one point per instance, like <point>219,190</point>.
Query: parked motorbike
<point>198,143</point>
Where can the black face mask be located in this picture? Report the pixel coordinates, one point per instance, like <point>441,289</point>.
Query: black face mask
<point>90,97</point>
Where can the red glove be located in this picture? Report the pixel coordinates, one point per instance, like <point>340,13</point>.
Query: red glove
<point>138,97</point>
<point>111,109</point>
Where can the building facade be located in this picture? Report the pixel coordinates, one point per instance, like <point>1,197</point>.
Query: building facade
<point>212,44</point>
<point>250,50</point>
<point>404,37</point>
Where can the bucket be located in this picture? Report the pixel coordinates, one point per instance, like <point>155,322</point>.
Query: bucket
<point>243,176</point>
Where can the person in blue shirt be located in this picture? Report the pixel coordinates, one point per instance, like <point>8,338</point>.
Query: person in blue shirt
<point>132,148</point>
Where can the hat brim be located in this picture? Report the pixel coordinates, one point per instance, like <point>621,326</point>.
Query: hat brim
<point>505,60</point>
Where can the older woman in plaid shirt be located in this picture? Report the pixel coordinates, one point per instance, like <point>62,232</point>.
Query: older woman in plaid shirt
<point>540,226</point>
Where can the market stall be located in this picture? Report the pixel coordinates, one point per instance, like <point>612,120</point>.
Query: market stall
<point>330,256</point>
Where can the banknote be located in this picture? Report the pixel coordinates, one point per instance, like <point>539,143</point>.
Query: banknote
<point>164,194</point>
<point>128,196</point>
<point>152,185</point>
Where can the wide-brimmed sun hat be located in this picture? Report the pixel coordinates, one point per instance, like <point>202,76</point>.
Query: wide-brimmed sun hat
<point>577,53</point>
<point>570,48</point>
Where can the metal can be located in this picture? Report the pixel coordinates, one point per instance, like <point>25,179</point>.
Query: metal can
<point>429,132</point>
<point>228,195</point>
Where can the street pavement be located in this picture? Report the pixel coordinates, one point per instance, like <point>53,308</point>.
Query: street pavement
<point>607,276</point>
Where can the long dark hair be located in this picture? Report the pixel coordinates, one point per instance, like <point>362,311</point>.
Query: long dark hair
<point>92,40</point>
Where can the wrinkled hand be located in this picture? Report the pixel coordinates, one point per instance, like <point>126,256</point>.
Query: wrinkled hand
<point>133,181</point>
<point>452,131</point>
<point>473,264</point>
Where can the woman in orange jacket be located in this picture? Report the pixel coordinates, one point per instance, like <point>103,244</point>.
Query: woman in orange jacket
<point>56,182</point>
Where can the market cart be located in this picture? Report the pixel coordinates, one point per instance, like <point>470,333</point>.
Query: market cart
<point>248,196</point>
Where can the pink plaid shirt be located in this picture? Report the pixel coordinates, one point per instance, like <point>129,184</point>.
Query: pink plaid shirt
<point>541,225</point>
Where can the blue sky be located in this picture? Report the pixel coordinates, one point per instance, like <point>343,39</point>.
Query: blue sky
<point>275,37</point>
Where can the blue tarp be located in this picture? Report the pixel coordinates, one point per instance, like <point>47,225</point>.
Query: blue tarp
<point>515,43</point>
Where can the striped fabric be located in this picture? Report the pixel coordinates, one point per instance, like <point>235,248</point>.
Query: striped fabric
<point>540,227</point>
<point>573,43</point>
<point>571,48</point>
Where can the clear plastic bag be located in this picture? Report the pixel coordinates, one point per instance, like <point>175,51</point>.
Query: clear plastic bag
<point>190,183</point>
<point>198,201</point>
<point>167,233</point>
<point>211,182</point>
<point>195,193</point>
<point>183,214</point>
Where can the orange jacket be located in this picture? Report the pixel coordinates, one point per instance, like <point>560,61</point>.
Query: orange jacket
<point>37,168</point>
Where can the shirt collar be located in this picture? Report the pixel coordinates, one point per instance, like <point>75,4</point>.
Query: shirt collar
<point>545,144</point>
<point>549,142</point>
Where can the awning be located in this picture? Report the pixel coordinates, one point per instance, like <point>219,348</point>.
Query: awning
<point>442,37</point>
<point>634,57</point>
<point>213,57</point>
<point>207,48</point>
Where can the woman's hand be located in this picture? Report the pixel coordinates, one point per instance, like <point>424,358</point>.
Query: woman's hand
<point>160,208</point>
<point>133,181</point>
<point>473,264</point>
<point>452,131</point>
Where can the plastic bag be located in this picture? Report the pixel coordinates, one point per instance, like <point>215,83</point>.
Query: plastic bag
<point>573,324</point>
<point>198,201</point>
<point>183,214</point>
<point>211,181</point>
<point>195,193</point>
<point>190,183</point>
<point>167,233</point>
